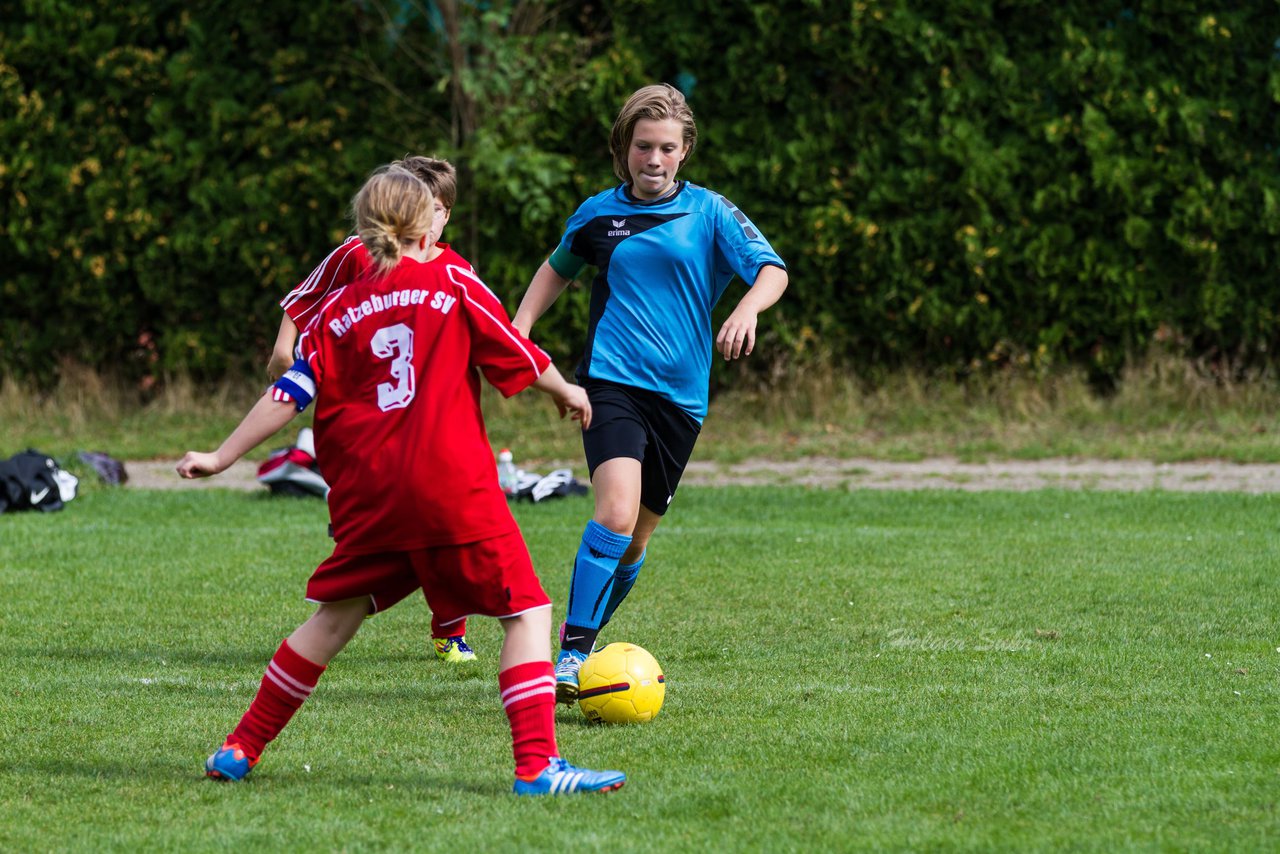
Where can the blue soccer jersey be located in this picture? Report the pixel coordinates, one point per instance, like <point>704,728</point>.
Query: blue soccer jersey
<point>663,264</point>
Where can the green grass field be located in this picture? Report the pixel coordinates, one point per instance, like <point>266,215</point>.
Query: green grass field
<point>845,671</point>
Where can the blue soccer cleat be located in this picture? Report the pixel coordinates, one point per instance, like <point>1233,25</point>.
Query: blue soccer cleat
<point>567,666</point>
<point>229,763</point>
<point>561,778</point>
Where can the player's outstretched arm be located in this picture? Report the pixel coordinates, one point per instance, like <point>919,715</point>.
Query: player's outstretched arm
<point>262,422</point>
<point>282,354</point>
<point>738,334</point>
<point>569,398</point>
<point>545,289</point>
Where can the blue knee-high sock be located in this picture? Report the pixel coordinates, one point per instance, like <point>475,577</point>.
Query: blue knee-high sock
<point>624,578</point>
<point>593,569</point>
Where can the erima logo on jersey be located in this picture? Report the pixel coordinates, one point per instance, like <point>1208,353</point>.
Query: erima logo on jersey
<point>619,228</point>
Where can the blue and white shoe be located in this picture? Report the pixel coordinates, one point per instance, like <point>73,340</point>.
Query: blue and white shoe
<point>561,778</point>
<point>567,666</point>
<point>229,763</point>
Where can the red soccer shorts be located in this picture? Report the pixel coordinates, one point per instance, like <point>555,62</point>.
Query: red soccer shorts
<point>490,578</point>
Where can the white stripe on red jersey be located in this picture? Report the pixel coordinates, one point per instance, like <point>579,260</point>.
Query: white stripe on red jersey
<point>322,279</point>
<point>504,326</point>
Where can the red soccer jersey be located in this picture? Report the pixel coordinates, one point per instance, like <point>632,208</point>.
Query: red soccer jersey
<point>340,268</point>
<point>399,433</point>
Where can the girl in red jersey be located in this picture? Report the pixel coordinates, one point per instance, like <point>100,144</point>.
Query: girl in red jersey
<point>414,495</point>
<point>349,263</point>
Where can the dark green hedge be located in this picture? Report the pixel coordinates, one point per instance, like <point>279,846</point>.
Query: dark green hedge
<point>954,184</point>
<point>972,182</point>
<point>166,174</point>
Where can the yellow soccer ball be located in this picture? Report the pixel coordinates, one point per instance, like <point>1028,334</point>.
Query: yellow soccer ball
<point>621,684</point>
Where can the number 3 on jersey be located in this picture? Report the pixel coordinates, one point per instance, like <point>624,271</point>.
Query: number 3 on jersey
<point>395,343</point>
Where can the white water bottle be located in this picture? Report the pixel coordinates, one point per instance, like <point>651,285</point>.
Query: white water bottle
<point>507,477</point>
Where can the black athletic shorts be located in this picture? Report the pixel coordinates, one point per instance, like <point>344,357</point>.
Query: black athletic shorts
<point>643,425</point>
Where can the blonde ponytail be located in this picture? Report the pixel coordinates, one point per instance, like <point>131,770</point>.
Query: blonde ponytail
<point>392,210</point>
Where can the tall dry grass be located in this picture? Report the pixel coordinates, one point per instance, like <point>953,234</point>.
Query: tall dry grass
<point>1164,408</point>
<point>91,410</point>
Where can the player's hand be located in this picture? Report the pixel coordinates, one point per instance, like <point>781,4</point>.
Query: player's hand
<point>280,361</point>
<point>738,335</point>
<point>574,401</point>
<point>196,464</point>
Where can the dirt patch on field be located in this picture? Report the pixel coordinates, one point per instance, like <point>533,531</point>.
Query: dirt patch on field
<point>942,473</point>
<point>162,474</point>
<point>1017,476</point>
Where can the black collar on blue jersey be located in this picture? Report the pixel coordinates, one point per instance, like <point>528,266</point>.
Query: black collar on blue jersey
<point>626,194</point>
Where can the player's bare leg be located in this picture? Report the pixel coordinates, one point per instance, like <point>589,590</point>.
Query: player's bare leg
<point>290,678</point>
<point>328,630</point>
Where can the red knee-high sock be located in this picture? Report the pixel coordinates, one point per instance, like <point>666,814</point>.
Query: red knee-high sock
<point>286,685</point>
<point>452,630</point>
<point>529,699</point>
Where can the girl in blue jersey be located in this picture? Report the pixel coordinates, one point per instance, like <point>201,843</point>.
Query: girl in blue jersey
<point>665,250</point>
